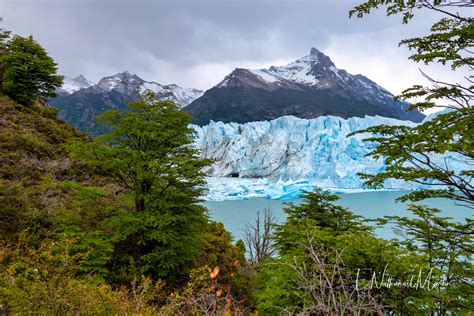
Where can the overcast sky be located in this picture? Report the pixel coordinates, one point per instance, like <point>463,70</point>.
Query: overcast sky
<point>195,43</point>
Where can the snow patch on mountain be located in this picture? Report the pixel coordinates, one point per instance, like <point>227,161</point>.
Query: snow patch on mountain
<point>127,83</point>
<point>262,73</point>
<point>182,96</point>
<point>223,83</point>
<point>185,96</point>
<point>71,85</point>
<point>151,86</point>
<point>298,71</point>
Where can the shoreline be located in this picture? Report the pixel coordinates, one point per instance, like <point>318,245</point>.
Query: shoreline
<point>230,189</point>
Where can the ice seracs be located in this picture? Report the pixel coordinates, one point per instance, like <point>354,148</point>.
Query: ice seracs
<point>289,148</point>
<point>279,159</point>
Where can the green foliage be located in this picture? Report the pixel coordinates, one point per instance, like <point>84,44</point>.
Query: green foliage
<point>42,281</point>
<point>404,7</point>
<point>62,223</point>
<point>28,72</point>
<point>408,155</point>
<point>204,294</point>
<point>446,43</point>
<point>313,243</point>
<point>219,248</point>
<point>444,247</point>
<point>317,221</point>
<point>77,219</point>
<point>449,43</point>
<point>316,210</point>
<point>437,243</point>
<point>32,167</point>
<point>69,231</point>
<point>49,200</point>
<point>149,154</point>
<point>409,151</point>
<point>233,267</point>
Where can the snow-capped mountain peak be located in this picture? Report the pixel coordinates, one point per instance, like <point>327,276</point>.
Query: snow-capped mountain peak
<point>307,70</point>
<point>308,87</point>
<point>71,85</point>
<point>82,81</point>
<point>318,56</point>
<point>314,51</point>
<point>173,92</point>
<point>127,83</point>
<point>79,107</point>
<point>124,82</point>
<point>304,70</point>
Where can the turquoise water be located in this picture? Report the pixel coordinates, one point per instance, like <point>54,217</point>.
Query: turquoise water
<point>234,214</point>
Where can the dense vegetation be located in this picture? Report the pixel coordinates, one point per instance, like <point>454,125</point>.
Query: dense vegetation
<point>114,225</point>
<point>149,155</point>
<point>74,239</point>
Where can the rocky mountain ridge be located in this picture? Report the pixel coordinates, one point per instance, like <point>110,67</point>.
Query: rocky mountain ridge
<point>309,87</point>
<point>78,104</point>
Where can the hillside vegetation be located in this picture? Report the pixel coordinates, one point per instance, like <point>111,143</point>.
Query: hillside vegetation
<point>115,224</point>
<point>58,214</point>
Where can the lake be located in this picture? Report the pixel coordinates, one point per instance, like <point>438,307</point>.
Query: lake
<point>234,214</point>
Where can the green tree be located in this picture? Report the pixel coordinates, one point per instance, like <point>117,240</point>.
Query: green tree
<point>443,247</point>
<point>149,153</point>
<point>28,72</point>
<point>423,154</point>
<point>320,248</point>
<point>413,154</point>
<point>316,210</point>
<point>409,152</point>
<point>4,35</point>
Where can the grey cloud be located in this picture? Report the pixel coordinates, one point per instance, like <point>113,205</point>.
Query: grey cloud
<point>192,43</point>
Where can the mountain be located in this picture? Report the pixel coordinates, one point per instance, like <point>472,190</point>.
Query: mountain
<point>279,159</point>
<point>113,92</point>
<point>309,87</point>
<point>72,85</point>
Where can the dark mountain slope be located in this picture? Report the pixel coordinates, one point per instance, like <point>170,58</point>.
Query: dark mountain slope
<point>307,88</point>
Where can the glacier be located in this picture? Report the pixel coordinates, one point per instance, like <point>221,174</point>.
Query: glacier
<point>280,159</point>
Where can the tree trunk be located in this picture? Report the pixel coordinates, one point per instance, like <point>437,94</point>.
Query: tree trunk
<point>139,204</point>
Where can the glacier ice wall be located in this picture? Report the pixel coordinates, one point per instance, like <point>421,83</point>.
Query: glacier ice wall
<point>268,157</point>
<point>279,159</point>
